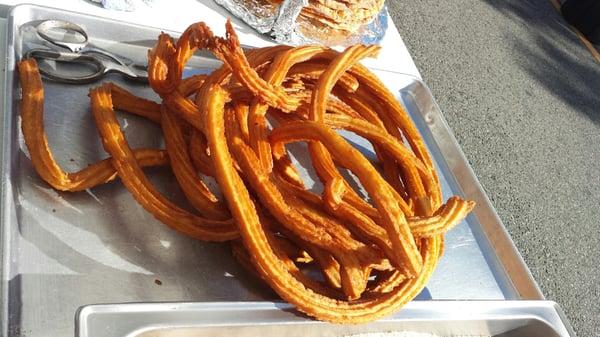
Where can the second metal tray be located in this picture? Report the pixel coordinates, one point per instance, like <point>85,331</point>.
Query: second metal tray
<point>417,319</point>
<point>61,251</point>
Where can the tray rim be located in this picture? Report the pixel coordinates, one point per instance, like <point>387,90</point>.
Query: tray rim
<point>494,232</point>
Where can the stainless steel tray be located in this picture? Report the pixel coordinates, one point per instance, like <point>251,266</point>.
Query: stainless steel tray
<point>61,251</point>
<point>444,319</point>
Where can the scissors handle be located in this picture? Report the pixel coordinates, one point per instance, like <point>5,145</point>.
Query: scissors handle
<point>45,28</point>
<point>45,54</point>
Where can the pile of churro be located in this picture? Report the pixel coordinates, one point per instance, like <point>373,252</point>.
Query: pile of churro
<point>337,256</point>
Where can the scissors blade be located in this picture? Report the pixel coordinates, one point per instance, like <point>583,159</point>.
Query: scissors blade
<point>127,71</point>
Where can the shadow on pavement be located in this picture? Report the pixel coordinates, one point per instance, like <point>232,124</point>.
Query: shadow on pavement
<point>571,74</point>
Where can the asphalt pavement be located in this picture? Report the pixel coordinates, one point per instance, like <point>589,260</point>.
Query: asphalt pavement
<point>522,96</point>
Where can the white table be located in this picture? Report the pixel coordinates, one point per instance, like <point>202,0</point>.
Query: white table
<point>177,15</point>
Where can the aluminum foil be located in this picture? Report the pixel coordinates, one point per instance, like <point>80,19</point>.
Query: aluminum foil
<point>281,22</point>
<point>260,14</point>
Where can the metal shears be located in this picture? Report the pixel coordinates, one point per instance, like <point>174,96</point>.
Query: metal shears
<point>78,50</point>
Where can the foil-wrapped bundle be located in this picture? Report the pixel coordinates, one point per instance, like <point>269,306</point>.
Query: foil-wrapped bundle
<point>327,22</point>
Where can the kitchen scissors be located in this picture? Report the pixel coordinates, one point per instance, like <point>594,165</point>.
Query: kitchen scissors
<point>82,52</point>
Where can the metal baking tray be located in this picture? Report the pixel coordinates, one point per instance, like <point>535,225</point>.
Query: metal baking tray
<point>61,251</point>
<point>421,319</point>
